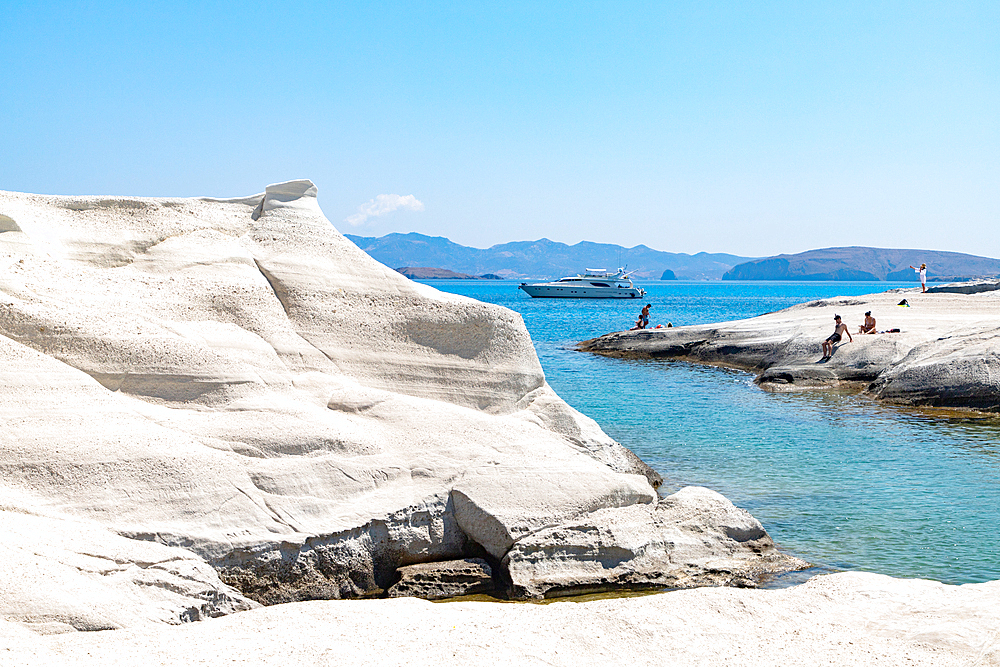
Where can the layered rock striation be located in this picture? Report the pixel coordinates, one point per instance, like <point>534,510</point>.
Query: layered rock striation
<point>942,348</point>
<point>230,382</point>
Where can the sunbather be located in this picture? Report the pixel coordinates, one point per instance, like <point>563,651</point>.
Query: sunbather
<point>869,326</point>
<point>835,337</point>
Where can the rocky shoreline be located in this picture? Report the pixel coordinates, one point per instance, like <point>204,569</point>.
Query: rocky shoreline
<point>941,349</point>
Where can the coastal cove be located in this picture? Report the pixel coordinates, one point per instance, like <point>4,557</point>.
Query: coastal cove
<point>836,478</point>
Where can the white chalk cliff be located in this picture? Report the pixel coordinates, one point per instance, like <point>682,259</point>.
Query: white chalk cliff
<point>231,382</point>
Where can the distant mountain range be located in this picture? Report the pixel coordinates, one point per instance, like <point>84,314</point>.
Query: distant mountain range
<point>548,259</point>
<point>542,258</point>
<point>861,263</point>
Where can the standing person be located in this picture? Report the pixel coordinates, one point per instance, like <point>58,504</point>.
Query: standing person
<point>923,276</point>
<point>643,320</point>
<point>835,337</point>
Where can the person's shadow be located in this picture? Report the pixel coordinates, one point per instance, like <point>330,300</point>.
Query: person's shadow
<point>826,359</point>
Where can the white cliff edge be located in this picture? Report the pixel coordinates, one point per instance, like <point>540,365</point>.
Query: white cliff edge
<point>194,382</point>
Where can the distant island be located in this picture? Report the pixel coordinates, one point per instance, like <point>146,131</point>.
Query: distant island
<point>435,257</point>
<point>430,273</point>
<point>542,259</point>
<point>866,264</point>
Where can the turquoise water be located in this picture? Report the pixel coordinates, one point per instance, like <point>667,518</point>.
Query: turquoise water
<point>838,480</point>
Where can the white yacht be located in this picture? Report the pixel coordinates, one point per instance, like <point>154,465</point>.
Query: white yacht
<point>594,284</point>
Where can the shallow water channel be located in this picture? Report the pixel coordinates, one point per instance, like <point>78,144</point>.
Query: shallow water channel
<point>837,479</point>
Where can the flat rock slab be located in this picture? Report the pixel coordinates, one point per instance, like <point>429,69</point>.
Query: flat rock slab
<point>972,287</point>
<point>840,619</point>
<point>447,579</point>
<point>946,352</point>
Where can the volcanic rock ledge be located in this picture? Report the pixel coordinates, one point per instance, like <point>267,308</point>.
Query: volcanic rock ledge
<point>213,403</point>
<point>945,354</point>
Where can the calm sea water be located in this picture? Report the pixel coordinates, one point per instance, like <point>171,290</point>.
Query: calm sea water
<point>838,480</point>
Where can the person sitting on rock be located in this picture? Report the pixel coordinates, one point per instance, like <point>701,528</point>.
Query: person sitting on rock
<point>835,337</point>
<point>869,326</point>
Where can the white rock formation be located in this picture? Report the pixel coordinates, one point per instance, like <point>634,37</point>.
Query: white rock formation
<point>842,619</point>
<point>61,575</point>
<point>235,381</point>
<point>704,538</point>
<point>945,353</point>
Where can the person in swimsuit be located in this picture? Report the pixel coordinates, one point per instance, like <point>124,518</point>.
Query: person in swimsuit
<point>869,326</point>
<point>835,337</point>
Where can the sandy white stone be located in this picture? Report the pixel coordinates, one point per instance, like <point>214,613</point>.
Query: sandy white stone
<point>695,537</point>
<point>841,619</point>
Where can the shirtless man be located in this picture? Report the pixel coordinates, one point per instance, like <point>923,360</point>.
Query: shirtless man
<point>835,337</point>
<point>643,320</point>
<point>869,326</point>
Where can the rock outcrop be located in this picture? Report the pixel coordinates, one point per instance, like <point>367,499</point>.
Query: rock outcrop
<point>232,382</point>
<point>971,287</point>
<point>704,538</point>
<point>945,351</point>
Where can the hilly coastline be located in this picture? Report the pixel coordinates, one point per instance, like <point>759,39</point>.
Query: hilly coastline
<point>862,263</point>
<point>542,258</point>
<point>424,257</point>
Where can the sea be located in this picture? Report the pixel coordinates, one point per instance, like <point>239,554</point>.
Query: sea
<point>837,479</point>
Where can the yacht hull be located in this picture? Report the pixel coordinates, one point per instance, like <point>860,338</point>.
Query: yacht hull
<point>579,292</point>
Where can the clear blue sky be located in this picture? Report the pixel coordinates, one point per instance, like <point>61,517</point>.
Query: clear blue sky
<point>745,127</point>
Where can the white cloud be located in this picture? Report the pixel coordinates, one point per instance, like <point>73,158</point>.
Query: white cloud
<point>384,204</point>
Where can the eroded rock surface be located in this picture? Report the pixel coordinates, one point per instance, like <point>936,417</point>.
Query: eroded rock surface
<point>61,575</point>
<point>235,380</point>
<point>971,287</point>
<point>447,579</point>
<point>694,537</point>
<point>946,353</point>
